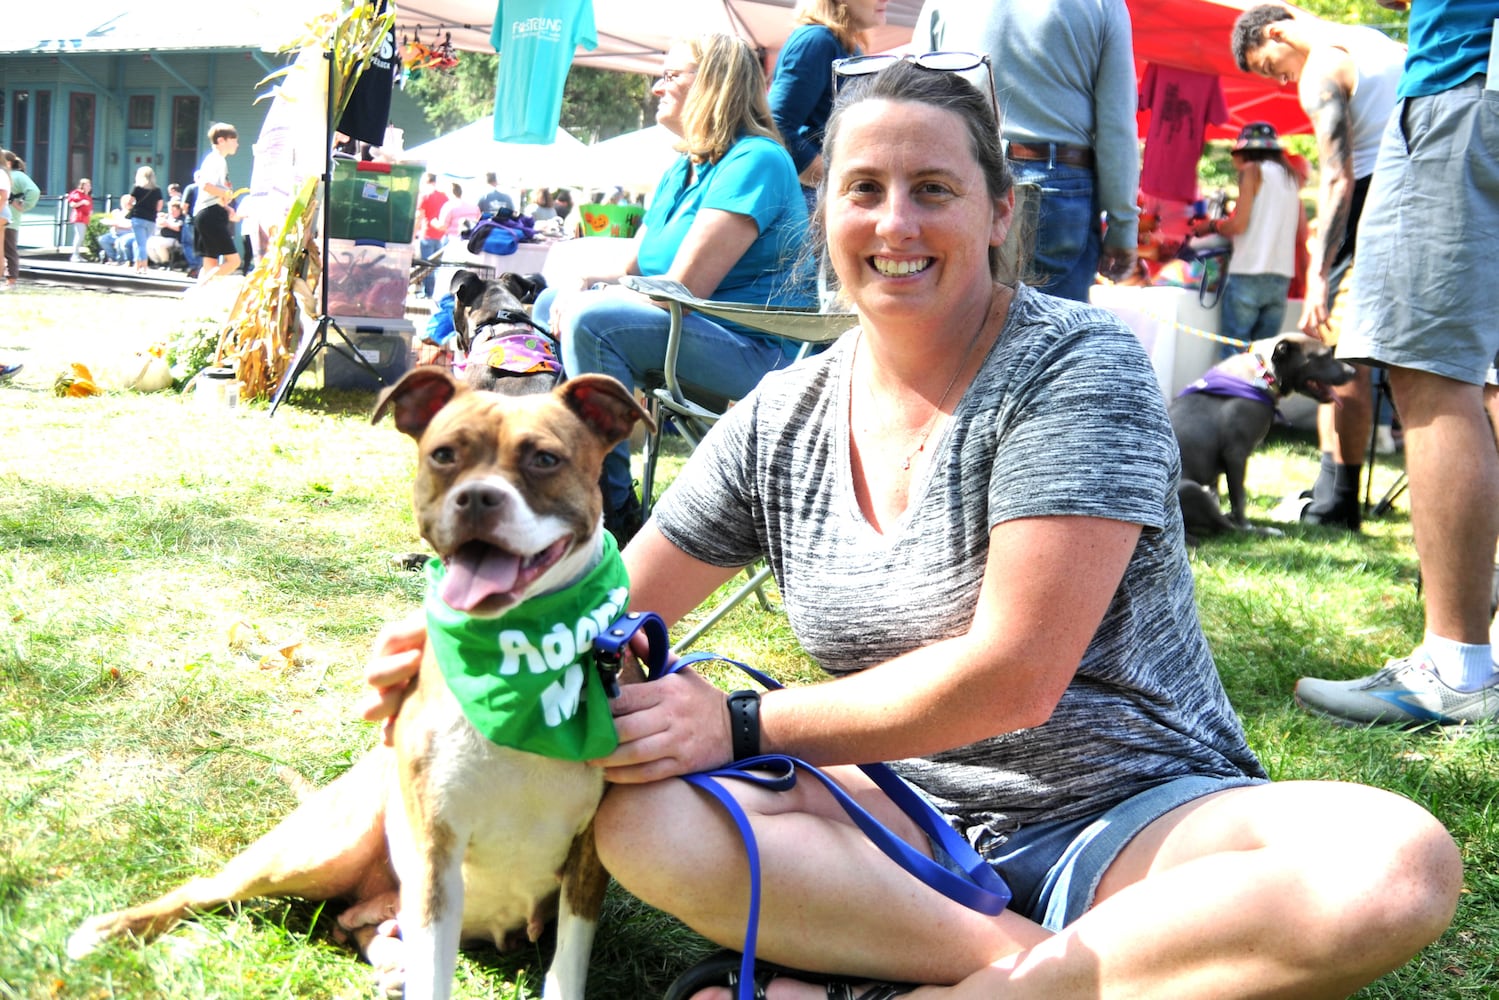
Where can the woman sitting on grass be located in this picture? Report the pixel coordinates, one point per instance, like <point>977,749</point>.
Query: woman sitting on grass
<point>970,508</point>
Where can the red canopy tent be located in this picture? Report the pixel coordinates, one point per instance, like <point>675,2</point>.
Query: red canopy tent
<point>1194,34</point>
<point>633,36</point>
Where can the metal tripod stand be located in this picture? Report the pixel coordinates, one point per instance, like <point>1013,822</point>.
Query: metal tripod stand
<point>317,340</point>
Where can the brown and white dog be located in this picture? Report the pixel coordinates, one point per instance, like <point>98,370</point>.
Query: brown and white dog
<point>480,840</point>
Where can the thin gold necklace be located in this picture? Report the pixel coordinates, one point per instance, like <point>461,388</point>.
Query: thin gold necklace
<point>931,423</point>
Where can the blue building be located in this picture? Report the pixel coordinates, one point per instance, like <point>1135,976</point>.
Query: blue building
<point>97,88</point>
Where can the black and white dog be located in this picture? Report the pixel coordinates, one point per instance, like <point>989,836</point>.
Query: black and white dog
<point>1222,417</point>
<point>505,351</point>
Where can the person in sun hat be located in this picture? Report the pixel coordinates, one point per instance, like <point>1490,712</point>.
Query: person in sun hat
<point>1266,225</point>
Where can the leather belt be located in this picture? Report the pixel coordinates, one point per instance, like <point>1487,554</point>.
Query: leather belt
<point>1055,152</point>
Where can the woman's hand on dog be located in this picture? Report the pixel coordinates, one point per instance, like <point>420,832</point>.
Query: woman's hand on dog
<point>676,725</point>
<point>396,658</point>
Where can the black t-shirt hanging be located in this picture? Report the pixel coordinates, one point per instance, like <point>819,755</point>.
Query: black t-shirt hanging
<point>368,111</point>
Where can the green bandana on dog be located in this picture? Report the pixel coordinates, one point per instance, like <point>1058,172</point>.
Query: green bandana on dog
<point>526,679</point>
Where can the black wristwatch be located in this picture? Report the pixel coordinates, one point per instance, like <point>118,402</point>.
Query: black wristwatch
<point>744,723</point>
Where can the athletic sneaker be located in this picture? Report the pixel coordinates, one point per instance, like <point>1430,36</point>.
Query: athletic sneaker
<point>1407,692</point>
<point>6,371</point>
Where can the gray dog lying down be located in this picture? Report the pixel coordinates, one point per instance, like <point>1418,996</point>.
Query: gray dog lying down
<point>1222,417</point>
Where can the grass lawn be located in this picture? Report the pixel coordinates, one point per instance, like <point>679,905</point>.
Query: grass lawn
<point>188,593</point>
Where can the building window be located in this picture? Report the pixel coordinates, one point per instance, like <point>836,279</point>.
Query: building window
<point>142,111</point>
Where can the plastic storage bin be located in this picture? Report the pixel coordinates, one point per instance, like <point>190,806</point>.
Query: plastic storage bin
<point>385,343</point>
<point>368,278</point>
<point>374,201</point>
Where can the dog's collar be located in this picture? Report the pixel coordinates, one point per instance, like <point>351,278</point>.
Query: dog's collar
<point>1264,374</point>
<point>526,679</point>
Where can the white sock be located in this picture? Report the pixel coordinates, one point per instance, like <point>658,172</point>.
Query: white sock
<point>1461,666</point>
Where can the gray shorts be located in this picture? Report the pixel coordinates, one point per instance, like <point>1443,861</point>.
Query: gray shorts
<point>1424,294</point>
<point>1053,869</point>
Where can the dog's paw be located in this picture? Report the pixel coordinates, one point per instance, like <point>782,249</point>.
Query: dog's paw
<point>387,956</point>
<point>376,911</point>
<point>90,934</point>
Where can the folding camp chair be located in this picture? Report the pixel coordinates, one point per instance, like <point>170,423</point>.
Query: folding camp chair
<point>692,414</point>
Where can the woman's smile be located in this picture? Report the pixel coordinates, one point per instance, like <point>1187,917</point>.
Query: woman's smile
<point>893,268</point>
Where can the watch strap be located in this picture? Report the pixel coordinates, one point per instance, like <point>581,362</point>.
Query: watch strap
<point>744,723</point>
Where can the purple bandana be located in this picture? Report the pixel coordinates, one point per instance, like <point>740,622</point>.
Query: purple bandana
<point>1217,382</point>
<point>518,353</point>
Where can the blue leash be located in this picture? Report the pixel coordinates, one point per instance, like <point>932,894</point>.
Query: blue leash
<point>979,887</point>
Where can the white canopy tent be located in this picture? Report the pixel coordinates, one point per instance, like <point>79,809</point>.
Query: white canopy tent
<point>471,151</point>
<point>634,34</point>
<point>634,161</point>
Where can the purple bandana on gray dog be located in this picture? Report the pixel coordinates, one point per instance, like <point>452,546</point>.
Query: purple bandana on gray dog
<point>1217,383</point>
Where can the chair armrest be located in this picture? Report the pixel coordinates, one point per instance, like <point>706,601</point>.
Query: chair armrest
<point>805,325</point>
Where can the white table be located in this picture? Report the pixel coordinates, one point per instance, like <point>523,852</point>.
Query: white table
<point>1167,320</point>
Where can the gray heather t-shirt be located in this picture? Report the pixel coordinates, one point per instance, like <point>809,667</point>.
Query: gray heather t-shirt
<point>1064,418</point>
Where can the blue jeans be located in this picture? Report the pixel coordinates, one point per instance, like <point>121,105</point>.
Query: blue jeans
<point>1068,237</point>
<point>143,229</point>
<point>620,334</point>
<point>427,249</point>
<point>1253,307</point>
<point>189,252</point>
<point>117,245</point>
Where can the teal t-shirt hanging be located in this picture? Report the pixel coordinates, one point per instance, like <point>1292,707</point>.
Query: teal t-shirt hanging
<point>527,679</point>
<point>535,40</point>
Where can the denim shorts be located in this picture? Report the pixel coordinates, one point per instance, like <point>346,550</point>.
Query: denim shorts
<point>1053,869</point>
<point>1428,234</point>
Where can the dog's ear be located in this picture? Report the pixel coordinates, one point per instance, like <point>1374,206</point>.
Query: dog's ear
<point>416,397</point>
<point>1285,349</point>
<point>605,405</point>
<point>467,287</point>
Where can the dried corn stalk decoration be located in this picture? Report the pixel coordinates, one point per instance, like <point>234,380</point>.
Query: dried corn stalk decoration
<point>267,320</point>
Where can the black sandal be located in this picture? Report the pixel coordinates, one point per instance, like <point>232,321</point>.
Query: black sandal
<point>722,969</point>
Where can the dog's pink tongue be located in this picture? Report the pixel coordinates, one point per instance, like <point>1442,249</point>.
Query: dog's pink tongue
<point>475,572</point>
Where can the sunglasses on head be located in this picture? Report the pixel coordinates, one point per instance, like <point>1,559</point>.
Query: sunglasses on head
<point>965,64</point>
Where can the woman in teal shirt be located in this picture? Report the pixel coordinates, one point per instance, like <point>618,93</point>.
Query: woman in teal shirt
<point>727,221</point>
